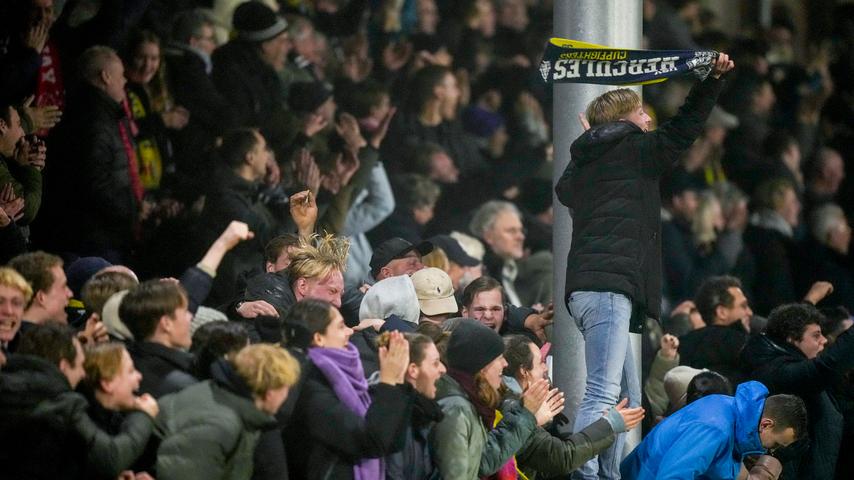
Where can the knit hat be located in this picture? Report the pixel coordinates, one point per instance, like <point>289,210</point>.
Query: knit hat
<point>306,97</point>
<point>81,270</point>
<point>256,22</point>
<point>473,346</point>
<point>435,291</point>
<point>395,248</point>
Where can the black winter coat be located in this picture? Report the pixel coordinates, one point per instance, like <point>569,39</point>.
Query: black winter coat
<point>194,90</point>
<point>784,369</point>
<point>91,183</point>
<point>164,370</point>
<point>45,432</point>
<point>611,187</point>
<point>234,198</point>
<point>254,91</point>
<point>715,347</point>
<point>830,266</point>
<point>325,438</point>
<point>776,264</point>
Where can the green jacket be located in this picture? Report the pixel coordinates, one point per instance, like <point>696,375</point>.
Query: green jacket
<point>551,456</point>
<point>27,183</point>
<point>210,434</point>
<point>464,449</point>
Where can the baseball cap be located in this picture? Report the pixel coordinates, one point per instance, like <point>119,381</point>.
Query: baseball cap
<point>435,291</point>
<point>395,248</point>
<point>453,250</point>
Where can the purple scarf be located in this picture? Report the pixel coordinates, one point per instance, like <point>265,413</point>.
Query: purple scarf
<point>343,370</point>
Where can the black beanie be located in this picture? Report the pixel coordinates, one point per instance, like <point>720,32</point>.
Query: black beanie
<point>472,346</point>
<point>256,22</point>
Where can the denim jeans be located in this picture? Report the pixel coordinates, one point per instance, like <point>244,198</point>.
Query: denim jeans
<point>603,318</point>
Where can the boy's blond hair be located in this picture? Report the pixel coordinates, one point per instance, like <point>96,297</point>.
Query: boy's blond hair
<point>317,257</point>
<point>103,362</point>
<point>10,278</point>
<point>612,106</point>
<point>266,367</point>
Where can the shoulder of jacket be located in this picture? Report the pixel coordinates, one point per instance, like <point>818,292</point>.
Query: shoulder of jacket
<point>456,404</point>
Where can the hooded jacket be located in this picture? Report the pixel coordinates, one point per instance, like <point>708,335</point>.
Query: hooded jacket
<point>706,439</point>
<point>392,296</point>
<point>611,187</point>
<point>211,429</point>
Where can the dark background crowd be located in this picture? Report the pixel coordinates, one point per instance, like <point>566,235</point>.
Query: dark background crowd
<point>393,159</point>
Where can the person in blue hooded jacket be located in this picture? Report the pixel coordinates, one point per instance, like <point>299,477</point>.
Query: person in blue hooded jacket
<point>710,437</point>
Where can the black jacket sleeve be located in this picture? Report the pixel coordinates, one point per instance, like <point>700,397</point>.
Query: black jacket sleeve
<point>805,377</point>
<point>198,286</point>
<point>663,146</point>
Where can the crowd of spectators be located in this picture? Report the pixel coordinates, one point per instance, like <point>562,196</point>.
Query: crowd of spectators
<point>281,239</point>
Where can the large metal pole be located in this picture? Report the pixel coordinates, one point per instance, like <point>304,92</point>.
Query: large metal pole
<point>616,23</point>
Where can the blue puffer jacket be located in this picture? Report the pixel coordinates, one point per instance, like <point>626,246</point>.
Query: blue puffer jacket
<point>706,439</point>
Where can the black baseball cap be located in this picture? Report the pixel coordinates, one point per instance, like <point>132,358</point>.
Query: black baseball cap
<point>395,248</point>
<point>453,250</point>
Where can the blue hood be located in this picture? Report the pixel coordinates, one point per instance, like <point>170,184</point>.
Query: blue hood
<point>749,404</point>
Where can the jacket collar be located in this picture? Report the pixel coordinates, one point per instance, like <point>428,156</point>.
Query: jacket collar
<point>599,139</point>
<point>178,358</point>
<point>771,220</point>
<point>448,387</point>
<point>749,403</point>
<point>189,51</point>
<point>233,181</point>
<point>97,98</point>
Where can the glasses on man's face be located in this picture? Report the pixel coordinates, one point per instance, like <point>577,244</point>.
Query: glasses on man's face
<point>495,310</point>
